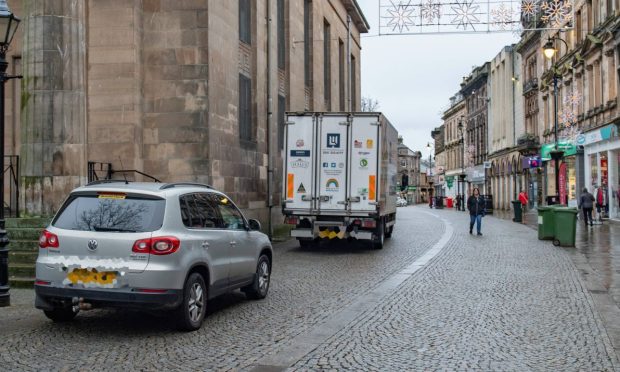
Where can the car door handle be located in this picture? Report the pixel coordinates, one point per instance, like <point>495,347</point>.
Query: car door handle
<point>233,243</point>
<point>205,245</point>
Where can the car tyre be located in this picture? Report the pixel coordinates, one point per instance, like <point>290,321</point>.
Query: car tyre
<point>61,314</point>
<point>306,243</point>
<point>191,313</point>
<point>260,287</point>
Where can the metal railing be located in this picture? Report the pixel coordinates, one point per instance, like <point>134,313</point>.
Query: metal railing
<point>11,185</point>
<point>98,171</point>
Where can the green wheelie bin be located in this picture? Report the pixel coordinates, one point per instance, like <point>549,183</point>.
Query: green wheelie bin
<point>565,221</point>
<point>546,224</point>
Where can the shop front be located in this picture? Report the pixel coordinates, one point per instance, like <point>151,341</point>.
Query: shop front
<point>476,178</point>
<point>602,163</point>
<point>568,175</point>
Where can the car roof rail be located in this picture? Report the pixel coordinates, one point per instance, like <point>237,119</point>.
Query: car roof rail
<point>176,184</point>
<point>100,182</point>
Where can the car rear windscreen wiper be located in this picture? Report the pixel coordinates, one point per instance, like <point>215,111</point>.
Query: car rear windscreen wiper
<point>111,229</point>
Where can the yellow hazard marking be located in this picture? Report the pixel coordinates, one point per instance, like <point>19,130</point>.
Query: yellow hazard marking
<point>372,187</point>
<point>331,234</point>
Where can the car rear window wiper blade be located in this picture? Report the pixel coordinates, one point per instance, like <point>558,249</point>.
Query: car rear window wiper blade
<point>111,229</point>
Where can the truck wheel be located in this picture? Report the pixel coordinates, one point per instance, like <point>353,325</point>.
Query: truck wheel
<point>60,314</point>
<point>380,236</point>
<point>306,243</point>
<point>388,233</point>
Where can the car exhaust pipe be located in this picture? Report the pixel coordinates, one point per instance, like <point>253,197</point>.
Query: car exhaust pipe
<point>79,304</point>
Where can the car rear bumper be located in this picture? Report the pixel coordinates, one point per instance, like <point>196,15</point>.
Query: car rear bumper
<point>48,296</point>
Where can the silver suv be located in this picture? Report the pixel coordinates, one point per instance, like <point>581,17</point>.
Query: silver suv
<point>149,245</point>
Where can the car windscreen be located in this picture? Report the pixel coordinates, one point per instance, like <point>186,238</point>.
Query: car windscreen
<point>113,212</point>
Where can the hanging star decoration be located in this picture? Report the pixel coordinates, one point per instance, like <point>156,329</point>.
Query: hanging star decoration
<point>430,11</point>
<point>570,102</point>
<point>529,8</point>
<point>556,12</point>
<point>502,16</point>
<point>401,16</point>
<point>465,14</point>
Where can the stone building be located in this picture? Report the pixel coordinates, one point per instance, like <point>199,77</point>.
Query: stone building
<point>505,123</point>
<point>474,90</point>
<point>409,172</point>
<point>439,158</point>
<point>191,90</point>
<point>454,146</point>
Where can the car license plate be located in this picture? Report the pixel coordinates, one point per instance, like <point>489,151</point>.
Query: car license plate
<point>92,278</point>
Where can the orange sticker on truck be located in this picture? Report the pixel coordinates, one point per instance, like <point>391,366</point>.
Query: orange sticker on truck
<point>372,187</point>
<point>290,186</point>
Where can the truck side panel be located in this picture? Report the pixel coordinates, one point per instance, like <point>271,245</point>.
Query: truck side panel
<point>364,168</point>
<point>389,168</point>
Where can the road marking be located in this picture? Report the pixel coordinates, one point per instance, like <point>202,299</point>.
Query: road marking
<point>304,343</point>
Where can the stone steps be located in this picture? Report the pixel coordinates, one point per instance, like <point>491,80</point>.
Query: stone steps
<point>23,249</point>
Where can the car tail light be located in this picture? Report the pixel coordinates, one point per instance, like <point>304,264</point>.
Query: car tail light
<point>42,282</point>
<point>48,240</point>
<point>158,246</point>
<point>369,223</point>
<point>291,220</point>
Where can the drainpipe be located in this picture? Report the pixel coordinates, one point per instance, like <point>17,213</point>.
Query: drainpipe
<point>270,170</point>
<point>349,62</point>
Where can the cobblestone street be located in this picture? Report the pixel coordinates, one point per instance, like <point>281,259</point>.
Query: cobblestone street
<point>435,298</point>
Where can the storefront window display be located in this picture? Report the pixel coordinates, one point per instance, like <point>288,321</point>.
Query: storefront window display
<point>571,181</point>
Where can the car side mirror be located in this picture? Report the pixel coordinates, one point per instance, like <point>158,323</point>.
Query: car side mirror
<point>254,224</point>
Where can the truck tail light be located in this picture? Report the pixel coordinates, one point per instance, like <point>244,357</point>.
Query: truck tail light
<point>158,246</point>
<point>48,240</point>
<point>369,223</point>
<point>291,220</point>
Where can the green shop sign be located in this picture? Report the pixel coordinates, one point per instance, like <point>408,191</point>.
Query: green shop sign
<point>449,181</point>
<point>411,188</point>
<point>568,148</point>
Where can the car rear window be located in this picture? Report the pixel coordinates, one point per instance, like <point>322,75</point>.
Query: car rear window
<point>111,212</point>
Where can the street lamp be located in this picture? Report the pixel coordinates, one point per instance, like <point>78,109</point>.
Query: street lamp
<point>430,175</point>
<point>8,26</point>
<point>461,129</point>
<point>549,51</point>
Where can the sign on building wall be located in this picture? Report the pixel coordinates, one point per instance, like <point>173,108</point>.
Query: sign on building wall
<point>470,16</point>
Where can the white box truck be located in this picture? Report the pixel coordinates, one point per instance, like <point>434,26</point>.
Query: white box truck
<point>340,174</point>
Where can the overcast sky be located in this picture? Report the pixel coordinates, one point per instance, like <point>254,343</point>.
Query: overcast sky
<point>413,77</point>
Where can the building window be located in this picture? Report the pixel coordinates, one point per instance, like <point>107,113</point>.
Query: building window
<point>353,84</point>
<point>281,37</point>
<point>341,71</point>
<point>245,21</point>
<point>307,42</point>
<point>281,120</point>
<point>327,76</point>
<point>245,108</point>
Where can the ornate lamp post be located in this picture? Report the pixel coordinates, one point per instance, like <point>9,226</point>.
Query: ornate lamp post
<point>462,176</point>
<point>549,51</point>
<point>430,175</point>
<point>8,26</point>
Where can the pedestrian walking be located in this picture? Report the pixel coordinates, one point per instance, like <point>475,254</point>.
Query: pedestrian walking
<point>475,205</point>
<point>585,204</point>
<point>524,200</point>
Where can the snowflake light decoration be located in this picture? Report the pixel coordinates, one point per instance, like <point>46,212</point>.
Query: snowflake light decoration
<point>567,116</point>
<point>501,16</point>
<point>401,16</point>
<point>556,12</point>
<point>529,8</point>
<point>465,13</point>
<point>573,98</point>
<point>430,11</point>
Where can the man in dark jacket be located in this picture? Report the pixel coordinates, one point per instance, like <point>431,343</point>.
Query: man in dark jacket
<point>475,205</point>
<point>585,204</point>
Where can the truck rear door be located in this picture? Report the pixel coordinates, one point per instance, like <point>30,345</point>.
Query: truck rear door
<point>300,162</point>
<point>332,165</point>
<point>364,170</point>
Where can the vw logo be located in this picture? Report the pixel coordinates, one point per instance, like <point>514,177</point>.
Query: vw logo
<point>92,245</point>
